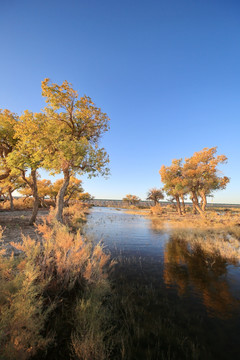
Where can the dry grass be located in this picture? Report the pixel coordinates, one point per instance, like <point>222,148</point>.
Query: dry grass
<point>213,242</point>
<point>19,204</point>
<point>24,204</point>
<point>75,215</point>
<point>212,220</point>
<point>144,212</point>
<point>157,210</point>
<point>42,285</point>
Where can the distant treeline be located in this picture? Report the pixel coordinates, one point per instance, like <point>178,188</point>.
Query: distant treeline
<point>146,203</point>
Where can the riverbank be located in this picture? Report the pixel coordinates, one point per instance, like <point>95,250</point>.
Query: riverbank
<point>165,218</point>
<point>15,224</point>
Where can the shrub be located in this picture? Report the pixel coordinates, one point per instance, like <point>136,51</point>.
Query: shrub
<point>23,203</point>
<point>40,286</point>
<point>22,305</point>
<point>170,208</point>
<point>74,215</point>
<point>157,210</point>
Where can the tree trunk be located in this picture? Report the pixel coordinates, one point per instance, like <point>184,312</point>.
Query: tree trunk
<point>60,196</point>
<point>183,204</point>
<point>35,197</point>
<point>178,206</point>
<point>42,202</point>
<point>11,199</point>
<point>204,201</point>
<point>194,207</point>
<point>196,204</point>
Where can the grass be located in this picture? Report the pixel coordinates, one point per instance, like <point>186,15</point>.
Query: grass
<point>222,242</point>
<point>53,284</point>
<point>212,220</point>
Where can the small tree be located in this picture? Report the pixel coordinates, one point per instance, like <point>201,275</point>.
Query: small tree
<point>174,182</point>
<point>84,196</point>
<point>28,153</point>
<point>9,185</point>
<point>155,195</point>
<point>74,128</point>
<point>131,199</point>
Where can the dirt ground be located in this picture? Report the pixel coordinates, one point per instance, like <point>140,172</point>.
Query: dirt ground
<point>15,224</point>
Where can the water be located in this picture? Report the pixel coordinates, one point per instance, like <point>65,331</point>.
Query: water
<point>196,293</point>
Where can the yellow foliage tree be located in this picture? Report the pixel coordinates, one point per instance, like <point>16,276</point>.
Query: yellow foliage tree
<point>202,176</point>
<point>28,153</point>
<point>198,177</point>
<point>155,195</point>
<point>174,182</point>
<point>8,141</point>
<point>9,185</point>
<point>74,128</point>
<point>131,199</point>
<point>74,188</point>
<point>84,196</point>
<point>44,190</point>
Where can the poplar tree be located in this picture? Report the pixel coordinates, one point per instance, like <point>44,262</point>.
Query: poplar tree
<point>131,199</point>
<point>202,176</point>
<point>173,180</point>
<point>74,188</point>
<point>28,152</point>
<point>9,185</point>
<point>74,128</point>
<point>155,195</point>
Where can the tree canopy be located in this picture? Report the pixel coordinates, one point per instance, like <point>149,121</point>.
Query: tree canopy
<point>131,199</point>
<point>198,177</point>
<point>155,195</point>
<point>63,138</point>
<point>74,128</point>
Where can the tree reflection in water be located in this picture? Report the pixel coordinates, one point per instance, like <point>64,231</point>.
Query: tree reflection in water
<point>194,270</point>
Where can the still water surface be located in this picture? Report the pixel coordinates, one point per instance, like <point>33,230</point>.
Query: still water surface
<point>206,288</point>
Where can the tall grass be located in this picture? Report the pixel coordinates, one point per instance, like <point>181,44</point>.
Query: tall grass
<point>75,215</point>
<point>150,325</point>
<point>41,286</point>
<point>224,243</point>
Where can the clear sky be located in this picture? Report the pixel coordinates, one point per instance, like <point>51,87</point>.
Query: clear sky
<point>166,72</point>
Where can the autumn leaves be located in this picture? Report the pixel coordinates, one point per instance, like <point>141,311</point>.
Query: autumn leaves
<point>198,177</point>
<point>63,138</point>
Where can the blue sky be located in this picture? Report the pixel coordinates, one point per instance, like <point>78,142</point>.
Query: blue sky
<point>166,72</point>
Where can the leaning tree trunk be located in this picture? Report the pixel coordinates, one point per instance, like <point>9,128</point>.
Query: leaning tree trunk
<point>42,202</point>
<point>178,206</point>
<point>196,204</point>
<point>11,199</point>
<point>204,201</point>
<point>194,207</point>
<point>35,197</point>
<point>183,204</point>
<point>33,185</point>
<point>60,196</point>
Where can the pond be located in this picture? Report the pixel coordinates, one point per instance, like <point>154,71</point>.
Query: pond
<point>184,303</point>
